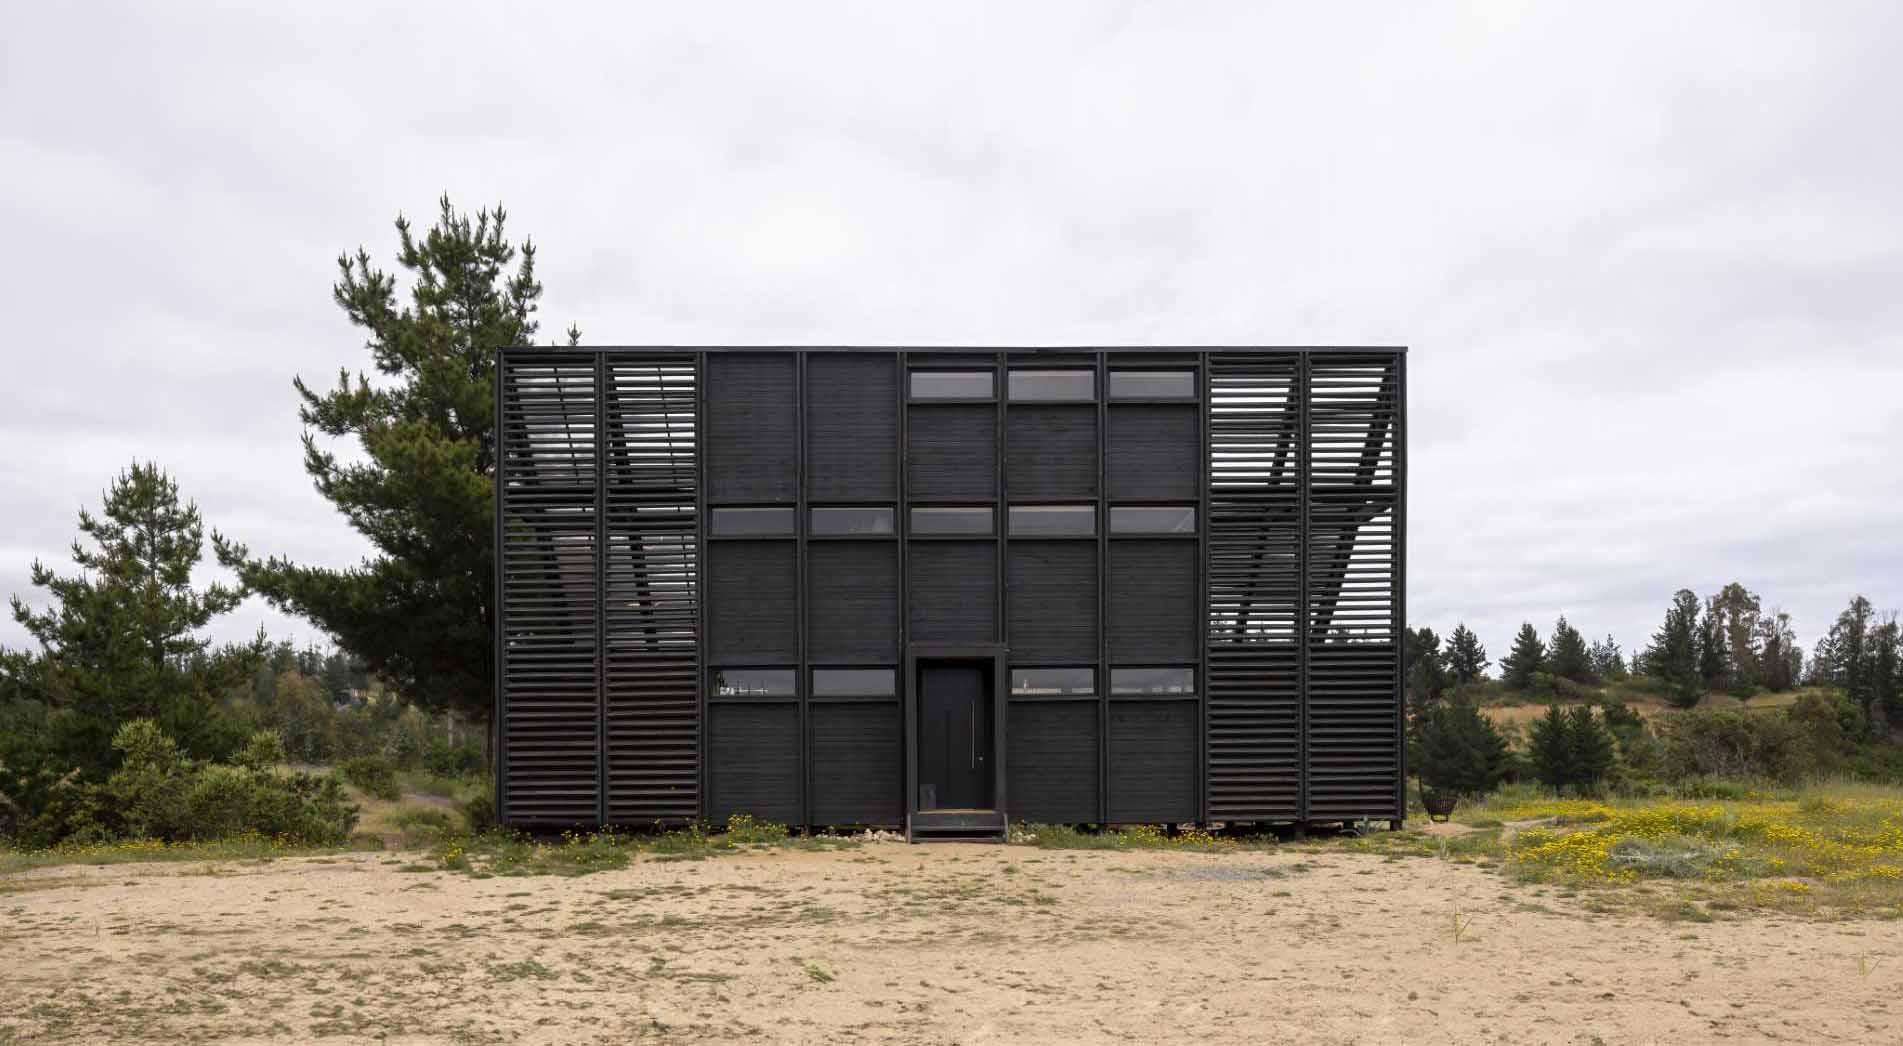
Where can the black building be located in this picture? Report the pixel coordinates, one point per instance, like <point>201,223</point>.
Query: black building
<point>943,587</point>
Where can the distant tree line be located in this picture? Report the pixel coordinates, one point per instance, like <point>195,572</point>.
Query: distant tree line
<point>1727,644</point>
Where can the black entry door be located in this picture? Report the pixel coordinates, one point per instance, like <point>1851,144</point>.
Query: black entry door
<point>954,736</point>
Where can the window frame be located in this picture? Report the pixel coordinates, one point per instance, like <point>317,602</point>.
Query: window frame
<point>1193,373</point>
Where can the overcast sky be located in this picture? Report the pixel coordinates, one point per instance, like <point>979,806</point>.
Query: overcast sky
<point>1648,258</point>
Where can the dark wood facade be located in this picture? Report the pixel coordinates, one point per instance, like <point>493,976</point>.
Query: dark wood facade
<point>843,586</point>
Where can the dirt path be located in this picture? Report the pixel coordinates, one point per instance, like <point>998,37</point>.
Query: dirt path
<point>928,944</point>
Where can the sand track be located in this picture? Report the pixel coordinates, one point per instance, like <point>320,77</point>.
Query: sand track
<point>928,944</point>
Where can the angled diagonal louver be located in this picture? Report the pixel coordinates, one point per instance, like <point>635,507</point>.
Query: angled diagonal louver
<point>941,588</point>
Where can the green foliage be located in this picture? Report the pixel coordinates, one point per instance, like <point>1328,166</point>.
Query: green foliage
<point>1673,657</point>
<point>374,775</point>
<point>1466,658</point>
<point>421,489</point>
<point>1424,666</point>
<point>1457,749</point>
<point>160,793</point>
<point>121,640</point>
<point>479,810</point>
<point>1527,659</point>
<point>1591,749</point>
<point>446,760</point>
<point>1607,661</point>
<point>1731,655</point>
<point>1740,745</point>
<point>1571,749</point>
<point>1548,749</point>
<point>1570,658</point>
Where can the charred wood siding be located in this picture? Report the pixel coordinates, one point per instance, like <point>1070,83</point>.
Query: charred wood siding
<point>953,591</point>
<point>1153,756</point>
<point>852,428</point>
<point>852,615</point>
<point>688,539</point>
<point>752,427</point>
<point>953,452</point>
<point>1154,600</point>
<point>858,776</point>
<point>1052,452</point>
<point>1052,587</point>
<point>1051,761</point>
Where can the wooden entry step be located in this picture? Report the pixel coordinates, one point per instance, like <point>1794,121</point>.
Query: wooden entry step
<point>964,826</point>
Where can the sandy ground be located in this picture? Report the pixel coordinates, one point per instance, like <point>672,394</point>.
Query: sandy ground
<point>927,944</point>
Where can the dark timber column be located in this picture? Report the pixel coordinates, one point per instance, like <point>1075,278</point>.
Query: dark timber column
<point>548,626</point>
<point>1256,468</point>
<point>1352,739</point>
<point>651,587</point>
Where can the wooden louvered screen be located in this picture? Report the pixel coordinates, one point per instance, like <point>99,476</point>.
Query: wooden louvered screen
<point>600,580</point>
<point>551,613</point>
<point>650,682</point>
<point>1352,736</point>
<point>1255,587</point>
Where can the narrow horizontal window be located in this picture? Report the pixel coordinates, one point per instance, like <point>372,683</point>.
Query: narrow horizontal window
<point>953,384</point>
<point>1152,680</point>
<point>1053,520</point>
<point>1152,384</point>
<point>854,682</point>
<point>1035,681</point>
<point>1053,385</point>
<point>1152,519</point>
<point>754,682</point>
<point>952,520</point>
<point>752,522</point>
<point>828,522</point>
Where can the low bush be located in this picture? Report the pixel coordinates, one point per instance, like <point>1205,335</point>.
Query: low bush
<point>445,760</point>
<point>374,775</point>
<point>479,810</point>
<point>160,793</point>
<point>1740,745</point>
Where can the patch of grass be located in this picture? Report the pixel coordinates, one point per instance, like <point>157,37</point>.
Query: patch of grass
<point>1132,837</point>
<point>582,853</point>
<point>526,969</point>
<point>1827,848</point>
<point>135,851</point>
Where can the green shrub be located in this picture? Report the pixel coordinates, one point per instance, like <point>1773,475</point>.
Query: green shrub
<point>159,793</point>
<point>1739,745</point>
<point>480,809</point>
<point>453,760</point>
<point>1457,749</point>
<point>374,775</point>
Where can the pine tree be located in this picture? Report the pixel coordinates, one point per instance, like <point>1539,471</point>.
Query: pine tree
<point>1550,748</point>
<point>1466,658</point>
<point>1457,749</point>
<point>122,640</point>
<point>1714,659</point>
<point>1673,657</point>
<point>1425,666</point>
<point>419,612</point>
<point>1608,662</point>
<point>1844,658</point>
<point>1570,659</point>
<point>1780,658</point>
<point>1526,661</point>
<point>1886,670</point>
<point>1590,748</point>
<point>1734,613</point>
